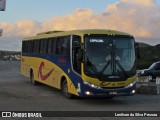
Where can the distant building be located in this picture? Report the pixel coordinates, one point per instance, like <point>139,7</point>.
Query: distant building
<point>2,5</point>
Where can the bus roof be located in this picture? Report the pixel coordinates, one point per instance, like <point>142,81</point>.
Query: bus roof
<point>75,32</point>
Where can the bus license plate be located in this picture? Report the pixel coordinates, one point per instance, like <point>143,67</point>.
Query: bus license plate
<point>113,93</point>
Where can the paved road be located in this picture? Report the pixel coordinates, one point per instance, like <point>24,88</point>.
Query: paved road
<point>17,94</point>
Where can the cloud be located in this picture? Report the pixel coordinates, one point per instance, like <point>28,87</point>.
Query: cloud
<point>81,18</point>
<point>137,17</point>
<point>20,29</point>
<point>146,3</point>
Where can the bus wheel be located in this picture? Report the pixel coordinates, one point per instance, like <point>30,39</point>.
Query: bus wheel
<point>64,89</point>
<point>32,79</point>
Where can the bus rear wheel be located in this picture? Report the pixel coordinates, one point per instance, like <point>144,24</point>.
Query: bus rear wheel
<point>33,82</point>
<point>64,89</point>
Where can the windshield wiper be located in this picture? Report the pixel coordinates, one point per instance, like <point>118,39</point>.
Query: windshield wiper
<point>120,66</point>
<point>105,67</point>
<point>94,69</point>
<point>99,74</point>
<point>116,61</point>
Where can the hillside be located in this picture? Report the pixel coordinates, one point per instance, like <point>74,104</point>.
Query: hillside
<point>149,54</point>
<point>143,45</point>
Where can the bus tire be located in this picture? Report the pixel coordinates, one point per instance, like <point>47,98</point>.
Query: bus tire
<point>64,89</point>
<point>33,82</point>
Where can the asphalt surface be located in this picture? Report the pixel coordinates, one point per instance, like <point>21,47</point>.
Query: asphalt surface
<point>17,94</point>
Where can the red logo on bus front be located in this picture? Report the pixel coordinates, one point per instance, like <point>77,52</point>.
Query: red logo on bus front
<point>43,77</point>
<point>103,84</point>
<point>62,60</point>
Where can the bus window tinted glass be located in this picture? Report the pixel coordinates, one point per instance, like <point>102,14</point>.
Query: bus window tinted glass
<point>63,45</point>
<point>41,46</point>
<point>51,45</point>
<point>45,45</point>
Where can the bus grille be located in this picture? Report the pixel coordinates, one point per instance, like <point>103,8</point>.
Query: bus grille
<point>112,87</point>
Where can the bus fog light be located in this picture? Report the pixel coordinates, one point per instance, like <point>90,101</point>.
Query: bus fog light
<point>88,93</point>
<point>133,91</point>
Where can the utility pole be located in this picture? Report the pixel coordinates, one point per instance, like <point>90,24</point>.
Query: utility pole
<point>2,5</point>
<point>2,8</point>
<point>1,30</point>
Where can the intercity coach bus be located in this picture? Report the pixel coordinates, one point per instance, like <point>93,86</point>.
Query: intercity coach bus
<point>84,63</point>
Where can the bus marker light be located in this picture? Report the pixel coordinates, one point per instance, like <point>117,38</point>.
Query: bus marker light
<point>79,87</point>
<point>113,93</point>
<point>69,70</point>
<point>88,93</point>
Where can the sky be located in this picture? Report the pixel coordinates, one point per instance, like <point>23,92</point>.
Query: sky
<point>25,18</point>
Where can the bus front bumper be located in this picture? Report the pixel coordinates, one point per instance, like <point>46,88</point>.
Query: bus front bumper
<point>93,91</point>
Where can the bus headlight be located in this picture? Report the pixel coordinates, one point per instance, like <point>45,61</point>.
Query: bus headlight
<point>91,85</point>
<point>130,85</point>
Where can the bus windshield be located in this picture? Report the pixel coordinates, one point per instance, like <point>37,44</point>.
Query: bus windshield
<point>109,56</point>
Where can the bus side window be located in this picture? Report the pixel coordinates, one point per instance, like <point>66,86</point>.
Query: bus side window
<point>63,45</point>
<point>34,46</point>
<point>24,47</point>
<point>75,49</point>
<point>30,46</point>
<point>41,46</point>
<point>59,43</point>
<point>66,46</point>
<point>37,46</point>
<point>51,45</point>
<point>45,45</point>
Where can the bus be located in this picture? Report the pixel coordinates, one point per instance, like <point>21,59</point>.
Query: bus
<point>84,63</point>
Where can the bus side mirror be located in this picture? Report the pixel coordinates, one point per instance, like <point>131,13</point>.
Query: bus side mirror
<point>137,49</point>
